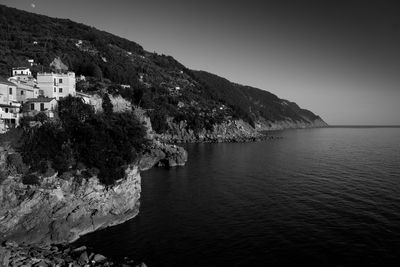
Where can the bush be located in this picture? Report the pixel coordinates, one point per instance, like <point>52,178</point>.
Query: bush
<point>103,141</point>
<point>15,162</point>
<point>107,105</point>
<point>30,179</point>
<point>40,117</point>
<point>158,120</point>
<point>3,176</point>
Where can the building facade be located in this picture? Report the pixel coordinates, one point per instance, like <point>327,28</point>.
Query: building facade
<point>57,85</point>
<point>8,92</point>
<point>26,88</point>
<point>41,104</point>
<point>21,71</point>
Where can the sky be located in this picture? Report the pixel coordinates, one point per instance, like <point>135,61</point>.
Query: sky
<point>340,59</point>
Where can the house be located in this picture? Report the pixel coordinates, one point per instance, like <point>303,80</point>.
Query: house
<point>46,105</point>
<point>9,107</point>
<point>57,85</point>
<point>8,92</point>
<point>21,71</point>
<point>26,88</point>
<point>9,116</point>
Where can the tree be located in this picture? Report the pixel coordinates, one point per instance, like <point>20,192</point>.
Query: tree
<point>107,105</point>
<point>73,110</point>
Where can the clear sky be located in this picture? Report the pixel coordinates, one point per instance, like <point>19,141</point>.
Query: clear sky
<point>340,59</point>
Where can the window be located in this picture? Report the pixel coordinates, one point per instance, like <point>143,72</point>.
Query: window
<point>60,90</point>
<point>55,89</point>
<point>55,81</point>
<point>6,110</point>
<point>32,106</point>
<point>10,91</point>
<point>60,80</point>
<point>22,92</point>
<point>41,106</point>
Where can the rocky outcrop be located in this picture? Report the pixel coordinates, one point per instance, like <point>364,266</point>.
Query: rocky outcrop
<point>229,131</point>
<point>163,155</point>
<point>119,103</point>
<point>59,210</point>
<point>13,254</point>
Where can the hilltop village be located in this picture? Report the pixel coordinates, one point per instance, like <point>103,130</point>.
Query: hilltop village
<point>23,95</point>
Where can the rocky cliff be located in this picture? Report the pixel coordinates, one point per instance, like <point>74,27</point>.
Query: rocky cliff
<point>228,131</point>
<point>59,210</point>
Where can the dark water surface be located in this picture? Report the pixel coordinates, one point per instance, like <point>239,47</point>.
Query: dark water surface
<point>327,197</point>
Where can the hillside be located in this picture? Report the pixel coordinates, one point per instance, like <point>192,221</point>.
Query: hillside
<point>165,88</point>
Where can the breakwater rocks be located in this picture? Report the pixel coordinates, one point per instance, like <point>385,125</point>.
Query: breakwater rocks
<point>12,254</point>
<point>163,155</point>
<point>61,210</point>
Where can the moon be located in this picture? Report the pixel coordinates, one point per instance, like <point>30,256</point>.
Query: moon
<point>33,5</point>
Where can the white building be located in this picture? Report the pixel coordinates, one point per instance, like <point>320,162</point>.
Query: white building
<point>21,71</point>
<point>57,85</point>
<point>9,107</point>
<point>8,92</point>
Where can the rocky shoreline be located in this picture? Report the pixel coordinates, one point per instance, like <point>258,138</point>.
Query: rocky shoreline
<point>234,131</point>
<point>13,254</point>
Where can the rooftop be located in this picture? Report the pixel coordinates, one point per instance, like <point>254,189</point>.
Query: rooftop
<point>40,100</point>
<point>20,68</point>
<point>5,81</point>
<point>69,73</point>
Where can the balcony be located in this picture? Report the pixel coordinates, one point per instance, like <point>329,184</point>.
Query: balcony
<point>9,116</point>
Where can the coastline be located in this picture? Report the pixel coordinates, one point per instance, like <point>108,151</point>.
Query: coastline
<point>48,231</point>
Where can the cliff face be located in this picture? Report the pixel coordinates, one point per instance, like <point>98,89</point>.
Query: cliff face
<point>61,211</point>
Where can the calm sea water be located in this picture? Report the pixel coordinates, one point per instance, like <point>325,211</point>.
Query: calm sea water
<point>326,197</point>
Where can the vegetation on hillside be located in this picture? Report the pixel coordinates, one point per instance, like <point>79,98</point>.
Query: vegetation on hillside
<point>157,83</point>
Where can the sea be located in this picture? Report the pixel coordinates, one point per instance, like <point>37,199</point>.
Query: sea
<point>313,197</point>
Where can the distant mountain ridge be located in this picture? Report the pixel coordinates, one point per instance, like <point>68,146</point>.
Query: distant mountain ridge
<point>158,83</point>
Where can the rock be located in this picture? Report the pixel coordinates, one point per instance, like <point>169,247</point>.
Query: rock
<point>161,154</point>
<point>80,249</point>
<point>60,211</point>
<point>4,256</point>
<point>11,244</point>
<point>99,258</point>
<point>41,264</point>
<point>83,258</point>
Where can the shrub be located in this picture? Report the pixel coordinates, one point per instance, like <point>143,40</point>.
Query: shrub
<point>15,162</point>
<point>107,105</point>
<point>158,120</point>
<point>30,179</point>
<point>3,176</point>
<point>40,117</point>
